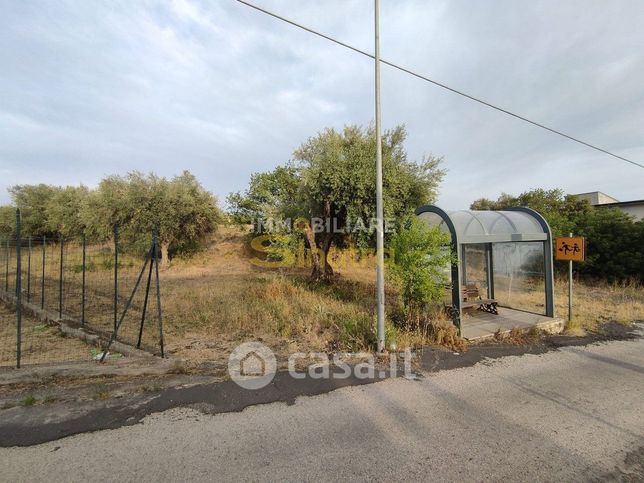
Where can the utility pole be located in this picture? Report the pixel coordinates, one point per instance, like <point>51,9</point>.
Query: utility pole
<point>380,251</point>
<point>570,289</point>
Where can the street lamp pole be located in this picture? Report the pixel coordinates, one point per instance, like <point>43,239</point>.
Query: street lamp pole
<point>380,255</point>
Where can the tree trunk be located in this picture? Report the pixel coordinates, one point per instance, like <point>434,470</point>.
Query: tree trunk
<point>326,246</point>
<point>165,258</point>
<point>326,242</point>
<point>316,273</point>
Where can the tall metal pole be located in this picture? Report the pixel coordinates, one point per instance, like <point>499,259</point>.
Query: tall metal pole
<point>380,237</point>
<point>570,289</point>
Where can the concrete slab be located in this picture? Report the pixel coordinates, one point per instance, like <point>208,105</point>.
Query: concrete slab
<point>478,325</point>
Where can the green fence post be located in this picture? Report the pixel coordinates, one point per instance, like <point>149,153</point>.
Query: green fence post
<point>147,294</point>
<point>29,271</point>
<point>6,270</point>
<point>42,278</point>
<point>127,307</point>
<point>116,273</point>
<point>18,292</point>
<point>60,281</point>
<point>83,289</point>
<point>156,269</point>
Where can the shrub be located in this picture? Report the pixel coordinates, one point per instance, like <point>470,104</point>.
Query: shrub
<point>418,265</point>
<point>613,245</point>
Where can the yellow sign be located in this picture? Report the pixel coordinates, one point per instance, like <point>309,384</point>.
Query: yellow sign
<point>570,248</point>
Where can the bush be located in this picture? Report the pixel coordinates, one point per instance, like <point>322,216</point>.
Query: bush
<point>358,333</point>
<point>419,260</point>
<point>613,245</point>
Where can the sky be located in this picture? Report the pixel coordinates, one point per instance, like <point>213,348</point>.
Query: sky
<point>90,88</point>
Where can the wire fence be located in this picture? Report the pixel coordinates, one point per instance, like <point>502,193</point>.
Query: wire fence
<point>53,286</point>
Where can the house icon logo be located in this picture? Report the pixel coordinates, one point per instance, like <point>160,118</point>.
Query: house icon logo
<point>252,365</point>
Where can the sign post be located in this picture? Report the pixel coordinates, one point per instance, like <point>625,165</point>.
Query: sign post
<point>571,249</point>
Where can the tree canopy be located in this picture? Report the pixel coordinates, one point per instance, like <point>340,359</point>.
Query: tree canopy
<point>560,210</point>
<point>332,177</point>
<point>614,240</point>
<point>181,209</point>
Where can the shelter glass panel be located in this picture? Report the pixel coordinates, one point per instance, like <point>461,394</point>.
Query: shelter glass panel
<point>475,267</point>
<point>519,280</point>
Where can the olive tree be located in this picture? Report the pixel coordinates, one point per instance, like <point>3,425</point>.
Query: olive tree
<point>34,202</point>
<point>180,208</point>
<point>332,177</point>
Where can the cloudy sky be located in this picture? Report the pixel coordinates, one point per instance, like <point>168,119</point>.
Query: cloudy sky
<point>93,88</point>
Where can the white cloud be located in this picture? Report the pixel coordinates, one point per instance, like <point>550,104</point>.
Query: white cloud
<point>91,89</point>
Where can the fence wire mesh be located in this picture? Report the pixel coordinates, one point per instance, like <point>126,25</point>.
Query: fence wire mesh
<point>80,284</point>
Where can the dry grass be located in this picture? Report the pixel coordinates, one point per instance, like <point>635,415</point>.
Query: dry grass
<point>593,303</point>
<point>99,301</point>
<point>217,299</point>
<point>41,343</point>
<point>600,302</point>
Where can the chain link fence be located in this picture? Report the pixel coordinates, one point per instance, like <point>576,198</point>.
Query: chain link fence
<point>52,287</point>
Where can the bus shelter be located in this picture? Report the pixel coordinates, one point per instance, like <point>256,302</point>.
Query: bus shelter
<point>503,258</point>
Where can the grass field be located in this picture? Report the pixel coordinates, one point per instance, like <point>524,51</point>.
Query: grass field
<point>219,298</point>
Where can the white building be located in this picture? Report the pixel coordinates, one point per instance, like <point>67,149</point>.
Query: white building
<point>601,200</point>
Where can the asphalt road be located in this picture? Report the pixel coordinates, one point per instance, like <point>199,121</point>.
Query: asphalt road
<point>574,414</point>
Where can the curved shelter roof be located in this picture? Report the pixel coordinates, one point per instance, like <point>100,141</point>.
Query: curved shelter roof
<point>472,226</point>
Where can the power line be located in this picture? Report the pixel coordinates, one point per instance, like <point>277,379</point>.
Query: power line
<point>436,83</point>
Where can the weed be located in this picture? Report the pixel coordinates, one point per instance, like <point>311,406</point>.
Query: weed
<point>29,400</point>
<point>179,367</point>
<point>575,327</point>
<point>102,392</point>
<point>152,388</point>
<point>357,333</point>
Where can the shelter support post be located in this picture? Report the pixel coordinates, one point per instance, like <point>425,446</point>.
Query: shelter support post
<point>490,271</point>
<point>456,291</point>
